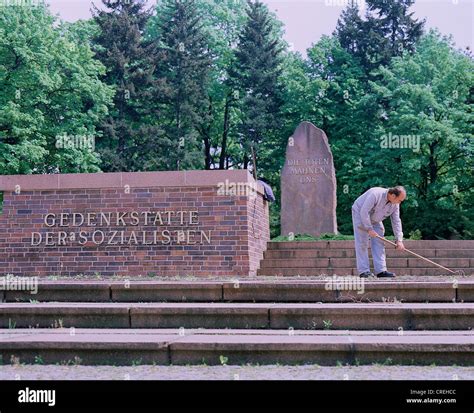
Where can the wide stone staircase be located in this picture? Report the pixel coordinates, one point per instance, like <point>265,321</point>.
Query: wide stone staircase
<point>306,258</point>
<point>261,320</point>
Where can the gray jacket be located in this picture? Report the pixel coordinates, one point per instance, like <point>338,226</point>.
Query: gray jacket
<point>373,207</point>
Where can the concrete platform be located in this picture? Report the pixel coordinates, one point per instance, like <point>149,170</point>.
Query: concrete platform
<point>358,316</point>
<point>447,289</point>
<point>165,346</point>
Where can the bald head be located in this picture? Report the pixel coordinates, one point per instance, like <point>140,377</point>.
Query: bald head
<point>396,195</point>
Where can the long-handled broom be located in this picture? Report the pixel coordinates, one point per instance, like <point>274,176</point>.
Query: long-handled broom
<point>457,272</point>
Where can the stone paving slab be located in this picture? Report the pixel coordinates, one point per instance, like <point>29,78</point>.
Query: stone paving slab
<point>217,347</point>
<point>245,372</point>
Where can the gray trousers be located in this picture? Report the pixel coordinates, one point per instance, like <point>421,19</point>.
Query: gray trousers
<point>362,240</point>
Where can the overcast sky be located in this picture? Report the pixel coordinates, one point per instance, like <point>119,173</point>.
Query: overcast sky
<point>306,20</point>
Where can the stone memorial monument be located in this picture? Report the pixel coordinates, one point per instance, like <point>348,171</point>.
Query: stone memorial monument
<point>308,184</point>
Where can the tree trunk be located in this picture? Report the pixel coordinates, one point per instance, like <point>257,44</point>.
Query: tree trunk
<point>207,139</point>
<point>225,133</point>
<point>246,161</point>
<point>433,170</point>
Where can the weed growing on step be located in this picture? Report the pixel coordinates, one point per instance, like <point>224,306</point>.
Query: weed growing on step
<point>388,362</point>
<point>327,324</point>
<point>15,361</point>
<point>57,323</point>
<point>223,360</point>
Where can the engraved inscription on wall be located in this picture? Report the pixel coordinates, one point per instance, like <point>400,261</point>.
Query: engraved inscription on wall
<point>308,169</point>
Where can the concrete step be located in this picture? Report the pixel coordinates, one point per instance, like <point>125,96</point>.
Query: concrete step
<point>313,258</point>
<point>343,271</point>
<point>377,316</point>
<point>326,289</point>
<point>350,253</point>
<point>393,263</point>
<point>234,347</point>
<point>410,244</point>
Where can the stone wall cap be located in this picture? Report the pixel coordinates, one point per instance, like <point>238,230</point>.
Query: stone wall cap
<point>120,179</point>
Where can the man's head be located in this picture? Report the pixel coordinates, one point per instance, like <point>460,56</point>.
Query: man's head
<point>396,195</point>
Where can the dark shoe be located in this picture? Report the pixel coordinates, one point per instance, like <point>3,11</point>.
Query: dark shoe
<point>366,274</point>
<point>385,274</point>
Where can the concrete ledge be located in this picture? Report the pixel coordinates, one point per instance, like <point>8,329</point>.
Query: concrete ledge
<point>164,347</point>
<point>465,292</point>
<point>410,244</point>
<point>312,271</point>
<point>85,291</point>
<point>408,292</point>
<point>162,291</point>
<point>373,316</point>
<point>339,316</point>
<point>245,291</point>
<point>278,292</point>
<point>350,253</point>
<point>356,316</point>
<point>393,263</point>
<point>120,179</point>
<point>100,347</point>
<point>56,315</point>
<point>199,316</point>
<point>322,263</point>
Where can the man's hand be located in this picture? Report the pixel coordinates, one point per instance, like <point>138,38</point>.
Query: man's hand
<point>400,246</point>
<point>372,233</point>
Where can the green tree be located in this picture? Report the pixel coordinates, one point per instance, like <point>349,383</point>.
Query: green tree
<point>347,113</point>
<point>131,132</point>
<point>187,60</point>
<point>51,96</point>
<point>255,75</point>
<point>387,30</point>
<point>222,23</point>
<point>429,97</point>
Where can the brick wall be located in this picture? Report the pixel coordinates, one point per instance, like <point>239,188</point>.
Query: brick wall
<point>238,224</point>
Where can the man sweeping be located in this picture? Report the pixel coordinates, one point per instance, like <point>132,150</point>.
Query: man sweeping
<point>368,212</point>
